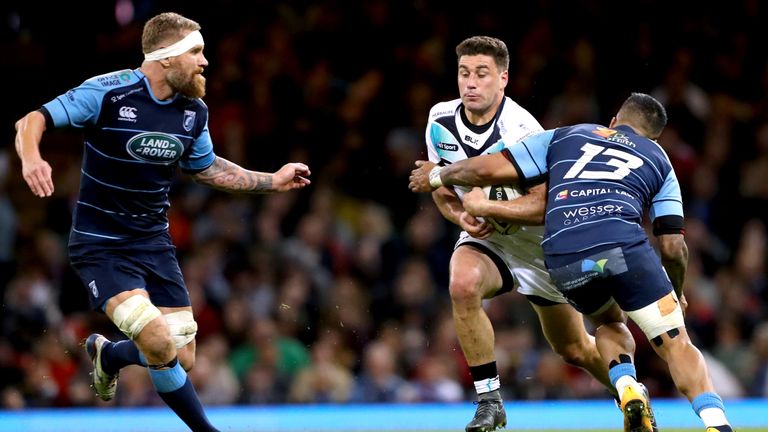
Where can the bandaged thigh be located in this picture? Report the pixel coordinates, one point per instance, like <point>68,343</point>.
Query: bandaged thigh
<point>182,327</point>
<point>132,315</point>
<point>659,317</point>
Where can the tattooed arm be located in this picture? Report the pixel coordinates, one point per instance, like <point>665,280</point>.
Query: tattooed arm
<point>227,176</point>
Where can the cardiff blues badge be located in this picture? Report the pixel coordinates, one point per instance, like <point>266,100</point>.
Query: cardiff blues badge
<point>189,120</point>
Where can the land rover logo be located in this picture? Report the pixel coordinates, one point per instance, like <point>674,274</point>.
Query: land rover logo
<point>155,147</point>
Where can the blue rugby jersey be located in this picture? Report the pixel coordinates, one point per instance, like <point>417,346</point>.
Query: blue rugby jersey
<point>133,143</point>
<point>600,182</point>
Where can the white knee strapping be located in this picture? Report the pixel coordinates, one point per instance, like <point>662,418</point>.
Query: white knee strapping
<point>659,317</point>
<point>182,326</point>
<point>132,315</point>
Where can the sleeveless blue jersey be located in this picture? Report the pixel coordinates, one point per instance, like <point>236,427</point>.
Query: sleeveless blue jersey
<point>133,143</point>
<point>601,181</point>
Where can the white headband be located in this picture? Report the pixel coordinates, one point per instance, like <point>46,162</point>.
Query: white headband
<point>190,41</point>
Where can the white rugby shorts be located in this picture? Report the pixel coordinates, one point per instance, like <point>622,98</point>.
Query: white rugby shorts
<point>524,260</point>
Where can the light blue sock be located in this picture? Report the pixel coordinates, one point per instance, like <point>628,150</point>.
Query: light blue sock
<point>621,370</point>
<point>175,388</point>
<point>707,400</point>
<point>710,409</point>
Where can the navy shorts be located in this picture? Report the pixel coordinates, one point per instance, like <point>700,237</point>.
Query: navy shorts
<point>631,275</point>
<point>107,271</point>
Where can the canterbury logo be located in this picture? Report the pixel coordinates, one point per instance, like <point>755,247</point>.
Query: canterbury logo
<point>127,113</point>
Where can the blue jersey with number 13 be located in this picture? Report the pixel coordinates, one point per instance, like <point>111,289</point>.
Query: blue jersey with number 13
<point>601,181</point>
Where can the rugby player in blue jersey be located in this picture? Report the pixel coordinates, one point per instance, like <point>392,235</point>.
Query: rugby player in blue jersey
<point>139,126</point>
<point>601,181</point>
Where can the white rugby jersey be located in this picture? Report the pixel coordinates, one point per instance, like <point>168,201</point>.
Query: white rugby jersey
<point>451,138</point>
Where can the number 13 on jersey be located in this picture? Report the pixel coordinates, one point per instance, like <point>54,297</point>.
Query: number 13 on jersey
<point>623,161</point>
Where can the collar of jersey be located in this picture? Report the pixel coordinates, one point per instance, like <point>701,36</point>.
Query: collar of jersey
<point>625,128</point>
<point>149,89</point>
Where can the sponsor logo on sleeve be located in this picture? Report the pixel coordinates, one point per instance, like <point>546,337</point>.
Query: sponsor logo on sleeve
<point>442,113</point>
<point>563,194</point>
<point>109,80</point>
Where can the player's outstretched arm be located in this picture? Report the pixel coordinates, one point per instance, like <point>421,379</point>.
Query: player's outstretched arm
<point>35,170</point>
<point>529,209</point>
<point>475,171</point>
<point>227,176</point>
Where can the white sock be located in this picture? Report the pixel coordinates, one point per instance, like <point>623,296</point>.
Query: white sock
<point>713,417</point>
<point>627,381</point>
<point>487,385</point>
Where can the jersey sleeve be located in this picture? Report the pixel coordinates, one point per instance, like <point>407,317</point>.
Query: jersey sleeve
<point>200,154</point>
<point>668,201</point>
<point>529,155</point>
<point>79,107</point>
<point>431,150</point>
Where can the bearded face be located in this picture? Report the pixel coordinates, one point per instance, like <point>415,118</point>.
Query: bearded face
<point>186,79</point>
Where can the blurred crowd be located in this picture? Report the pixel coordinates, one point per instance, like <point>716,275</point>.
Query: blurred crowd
<point>338,293</point>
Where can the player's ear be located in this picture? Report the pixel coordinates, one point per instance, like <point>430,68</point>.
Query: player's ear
<point>613,122</point>
<point>165,63</point>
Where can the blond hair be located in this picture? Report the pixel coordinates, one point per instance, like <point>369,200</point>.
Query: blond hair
<point>165,29</point>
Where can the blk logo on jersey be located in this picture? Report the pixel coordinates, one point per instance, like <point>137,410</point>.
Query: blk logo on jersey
<point>189,120</point>
<point>127,113</point>
<point>471,140</point>
<point>155,147</point>
<point>94,288</point>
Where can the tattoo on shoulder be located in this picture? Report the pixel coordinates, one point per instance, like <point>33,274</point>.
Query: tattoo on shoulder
<point>228,176</point>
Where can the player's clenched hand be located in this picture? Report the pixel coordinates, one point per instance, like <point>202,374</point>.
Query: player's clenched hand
<point>291,176</point>
<point>37,174</point>
<point>474,202</point>
<point>475,227</point>
<point>419,179</point>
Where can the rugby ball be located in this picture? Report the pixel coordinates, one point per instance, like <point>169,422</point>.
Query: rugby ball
<point>502,193</point>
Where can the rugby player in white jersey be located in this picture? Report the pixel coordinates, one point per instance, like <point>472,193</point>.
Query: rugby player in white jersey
<point>485,263</point>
